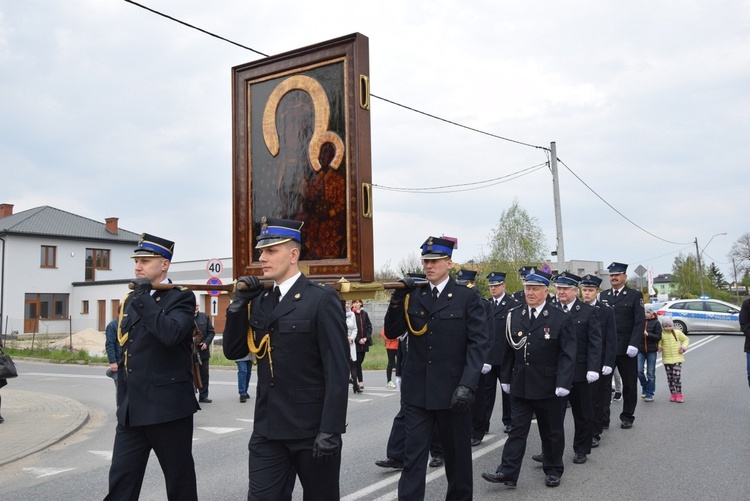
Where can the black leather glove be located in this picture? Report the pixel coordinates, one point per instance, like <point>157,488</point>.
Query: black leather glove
<point>463,397</point>
<point>250,289</point>
<point>326,446</point>
<point>141,286</point>
<point>409,287</point>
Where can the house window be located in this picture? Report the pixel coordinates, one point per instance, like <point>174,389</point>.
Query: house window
<point>96,259</point>
<point>49,256</point>
<point>84,307</point>
<point>46,306</point>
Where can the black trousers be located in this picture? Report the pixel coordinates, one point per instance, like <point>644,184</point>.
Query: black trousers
<point>479,409</point>
<point>455,436</point>
<point>171,441</point>
<point>549,418</point>
<point>360,359</point>
<point>203,393</point>
<point>490,391</point>
<point>274,464</point>
<point>601,395</point>
<point>397,439</point>
<point>628,367</point>
<point>582,408</point>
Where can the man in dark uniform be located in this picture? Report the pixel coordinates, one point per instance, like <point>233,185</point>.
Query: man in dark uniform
<point>447,340</point>
<point>588,361</point>
<point>298,334</point>
<point>522,272</point>
<point>630,320</point>
<point>155,395</point>
<point>537,370</point>
<point>468,278</point>
<point>601,390</point>
<point>203,348</point>
<point>501,303</point>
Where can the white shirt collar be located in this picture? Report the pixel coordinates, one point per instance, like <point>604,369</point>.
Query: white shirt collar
<point>440,286</point>
<point>287,284</point>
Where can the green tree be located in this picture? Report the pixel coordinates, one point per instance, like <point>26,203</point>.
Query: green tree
<point>715,276</point>
<point>685,271</point>
<point>517,240</point>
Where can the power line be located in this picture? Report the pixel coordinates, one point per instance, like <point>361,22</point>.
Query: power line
<point>456,188</point>
<point>617,211</point>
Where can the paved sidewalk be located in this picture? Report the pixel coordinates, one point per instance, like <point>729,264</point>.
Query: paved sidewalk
<point>35,421</point>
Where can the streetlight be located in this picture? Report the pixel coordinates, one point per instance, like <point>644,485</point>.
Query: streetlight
<point>698,253</point>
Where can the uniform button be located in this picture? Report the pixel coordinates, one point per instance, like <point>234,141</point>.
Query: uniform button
<point>271,384</point>
<point>429,362</point>
<point>429,347</point>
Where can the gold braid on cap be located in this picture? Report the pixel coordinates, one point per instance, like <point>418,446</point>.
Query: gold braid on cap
<point>408,322</point>
<point>263,348</point>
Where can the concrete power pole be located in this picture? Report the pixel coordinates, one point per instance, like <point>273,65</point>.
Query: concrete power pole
<point>558,212</point>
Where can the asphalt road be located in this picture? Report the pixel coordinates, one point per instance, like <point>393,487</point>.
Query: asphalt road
<point>696,450</point>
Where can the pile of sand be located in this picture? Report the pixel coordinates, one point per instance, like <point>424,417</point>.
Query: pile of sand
<point>89,339</point>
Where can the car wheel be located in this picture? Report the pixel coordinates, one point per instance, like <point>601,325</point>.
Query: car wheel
<point>680,325</point>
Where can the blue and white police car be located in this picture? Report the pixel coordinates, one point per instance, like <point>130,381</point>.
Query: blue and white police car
<point>702,315</point>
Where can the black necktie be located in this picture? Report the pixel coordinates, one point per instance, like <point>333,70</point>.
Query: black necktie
<point>617,293</point>
<point>276,296</point>
<point>565,308</point>
<point>533,316</point>
<point>434,294</point>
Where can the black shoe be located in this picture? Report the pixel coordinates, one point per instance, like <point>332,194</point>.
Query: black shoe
<point>243,398</point>
<point>626,425</point>
<point>539,458</point>
<point>356,389</point>
<point>475,441</point>
<point>617,397</point>
<point>205,400</point>
<point>552,481</point>
<point>594,442</point>
<point>507,428</point>
<point>390,463</point>
<point>437,462</point>
<point>499,478</point>
<point>1,419</point>
<point>580,458</point>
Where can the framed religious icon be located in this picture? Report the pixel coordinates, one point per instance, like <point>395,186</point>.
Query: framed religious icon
<point>301,150</point>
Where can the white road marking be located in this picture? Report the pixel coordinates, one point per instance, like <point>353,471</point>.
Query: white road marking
<point>46,472</point>
<point>219,430</point>
<point>105,454</point>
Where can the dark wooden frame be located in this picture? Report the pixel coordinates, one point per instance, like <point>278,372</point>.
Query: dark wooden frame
<point>350,53</point>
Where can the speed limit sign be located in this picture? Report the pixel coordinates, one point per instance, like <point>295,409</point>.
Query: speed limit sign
<point>214,268</point>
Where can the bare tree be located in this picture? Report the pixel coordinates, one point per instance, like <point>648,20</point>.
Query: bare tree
<point>740,253</point>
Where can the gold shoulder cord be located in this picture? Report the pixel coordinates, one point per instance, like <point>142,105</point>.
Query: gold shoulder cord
<point>123,338</point>
<point>263,348</point>
<point>408,323</point>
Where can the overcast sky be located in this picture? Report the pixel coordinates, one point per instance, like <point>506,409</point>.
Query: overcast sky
<point>108,110</point>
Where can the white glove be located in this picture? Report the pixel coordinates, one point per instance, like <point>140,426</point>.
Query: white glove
<point>592,376</point>
<point>486,368</point>
<point>505,387</point>
<point>632,351</point>
<point>606,370</point>
<point>561,392</point>
<point>398,383</point>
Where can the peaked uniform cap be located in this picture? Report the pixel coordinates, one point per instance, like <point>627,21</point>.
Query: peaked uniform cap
<point>437,248</point>
<point>275,231</point>
<point>617,268</point>
<point>496,278</point>
<point>591,281</point>
<point>566,279</point>
<point>467,275</point>
<point>153,246</point>
<point>537,277</point>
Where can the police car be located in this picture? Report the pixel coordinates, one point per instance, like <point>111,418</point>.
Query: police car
<point>702,315</point>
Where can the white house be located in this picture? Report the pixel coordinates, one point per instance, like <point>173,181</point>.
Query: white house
<point>60,272</point>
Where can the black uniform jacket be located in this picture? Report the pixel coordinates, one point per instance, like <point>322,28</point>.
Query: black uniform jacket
<point>546,359</point>
<point>609,333</point>
<point>450,352</point>
<point>499,315</point>
<point>307,391</point>
<point>588,339</point>
<point>207,329</point>
<point>155,376</point>
<point>629,316</point>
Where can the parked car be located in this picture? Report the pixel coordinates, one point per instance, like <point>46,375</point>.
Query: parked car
<point>709,315</point>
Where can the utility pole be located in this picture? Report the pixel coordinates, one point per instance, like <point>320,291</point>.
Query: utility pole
<point>558,211</point>
<point>736,285</point>
<point>700,267</point>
